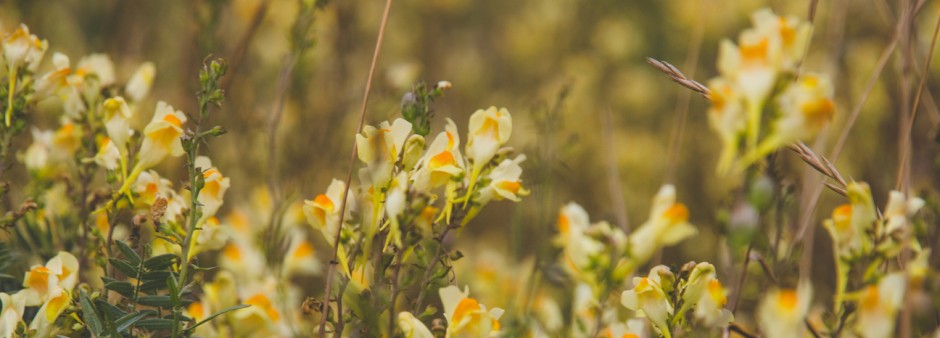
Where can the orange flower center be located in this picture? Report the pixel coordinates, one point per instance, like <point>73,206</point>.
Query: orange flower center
<point>677,213</point>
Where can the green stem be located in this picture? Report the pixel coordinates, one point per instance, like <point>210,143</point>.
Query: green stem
<point>9,113</point>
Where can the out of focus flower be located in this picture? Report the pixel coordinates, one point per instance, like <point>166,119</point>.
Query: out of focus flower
<point>578,248</point>
<point>117,115</point>
<point>667,225</point>
<point>442,160</point>
<point>633,328</point>
<point>466,317</point>
<point>12,312</point>
<point>726,117</point>
<point>805,107</point>
<point>648,298</point>
<point>793,33</point>
<point>161,137</point>
<point>21,48</point>
<point>704,292</point>
<point>851,223</point>
<point>108,155</point>
<point>300,258</point>
<point>139,85</point>
<point>380,147</point>
<point>489,130</point>
<point>878,306</point>
<point>150,187</point>
<point>55,304</point>
<point>899,210</point>
<point>504,182</point>
<point>781,312</point>
<point>412,327</point>
<point>323,211</point>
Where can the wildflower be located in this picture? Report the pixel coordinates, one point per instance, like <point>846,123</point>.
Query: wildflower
<point>465,316</point>
<point>442,160</point>
<point>108,154</point>
<point>150,188</point>
<point>41,282</point>
<point>793,33</point>
<point>667,225</point>
<point>58,300</point>
<point>414,147</point>
<point>161,137</point>
<point>380,147</point>
<point>300,258</point>
<point>781,312</point>
<point>899,210</point>
<point>323,211</point>
<point>139,85</point>
<point>395,203</point>
<point>633,328</point>
<point>878,306</point>
<point>703,291</point>
<point>412,327</point>
<point>117,116</point>
<point>12,312</point>
<point>504,182</point>
<point>21,48</point>
<point>752,66</point>
<point>578,247</point>
<point>726,118</point>
<point>805,107</point>
<point>210,197</point>
<point>489,130</point>
<point>850,223</point>
<point>648,298</point>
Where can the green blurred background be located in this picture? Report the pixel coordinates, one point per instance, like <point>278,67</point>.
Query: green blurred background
<point>594,119</point>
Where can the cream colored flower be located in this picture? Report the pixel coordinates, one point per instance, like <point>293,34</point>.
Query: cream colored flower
<point>442,160</point>
<point>212,193</point>
<point>466,317</point>
<point>139,85</point>
<point>21,48</point>
<point>98,65</point>
<point>899,210</point>
<point>667,225</point>
<point>727,118</point>
<point>108,155</point>
<point>489,130</point>
<point>751,65</point>
<point>380,148</point>
<point>633,328</point>
<point>43,324</point>
<point>323,211</point>
<point>578,248</point>
<point>161,137</point>
<point>878,306</point>
<point>12,312</point>
<point>117,117</point>
<point>412,327</point>
<point>41,281</point>
<point>805,107</point>
<point>704,292</point>
<point>793,33</point>
<point>781,312</point>
<point>851,223</point>
<point>301,258</point>
<point>504,182</point>
<point>648,299</point>
<point>149,187</point>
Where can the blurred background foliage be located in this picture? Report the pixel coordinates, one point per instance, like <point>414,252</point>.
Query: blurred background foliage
<point>595,120</point>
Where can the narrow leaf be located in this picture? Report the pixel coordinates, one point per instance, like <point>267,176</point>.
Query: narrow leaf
<point>128,252</point>
<point>90,316</point>
<point>221,312</point>
<point>124,267</point>
<point>160,262</point>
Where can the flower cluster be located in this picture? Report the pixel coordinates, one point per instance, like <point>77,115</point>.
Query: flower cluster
<point>760,73</point>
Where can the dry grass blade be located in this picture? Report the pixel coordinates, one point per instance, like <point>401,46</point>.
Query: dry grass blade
<point>806,154</point>
<point>679,78</point>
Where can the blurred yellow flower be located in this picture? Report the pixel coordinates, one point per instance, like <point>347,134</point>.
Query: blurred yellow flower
<point>117,115</point>
<point>782,311</point>
<point>108,155</point>
<point>667,225</point>
<point>161,137</point>
<point>489,130</point>
<point>878,306</point>
<point>504,182</point>
<point>649,299</point>
<point>21,48</point>
<point>726,117</point>
<point>412,327</point>
<point>466,317</point>
<point>442,160</point>
<point>380,147</point>
<point>12,312</point>
<point>212,193</point>
<point>139,85</point>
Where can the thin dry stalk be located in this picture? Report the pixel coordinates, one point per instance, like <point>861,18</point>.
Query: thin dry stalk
<point>682,104</point>
<point>806,154</point>
<point>352,162</point>
<point>903,165</point>
<point>239,55</point>
<point>613,176</point>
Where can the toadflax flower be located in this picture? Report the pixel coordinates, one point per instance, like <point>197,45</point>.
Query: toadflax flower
<point>21,48</point>
<point>648,298</point>
<point>214,189</point>
<point>878,306</point>
<point>704,292</point>
<point>412,327</point>
<point>578,247</point>
<point>323,211</point>
<point>504,182</point>
<point>489,130</point>
<point>781,312</point>
<point>466,317</point>
<point>108,154</point>
<point>441,162</point>
<point>668,224</point>
<point>851,223</point>
<point>117,116</point>
<point>139,85</point>
<point>379,148</point>
<point>805,107</point>
<point>11,314</point>
<point>726,117</point>
<point>161,137</point>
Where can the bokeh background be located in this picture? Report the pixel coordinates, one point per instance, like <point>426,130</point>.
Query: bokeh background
<point>599,125</point>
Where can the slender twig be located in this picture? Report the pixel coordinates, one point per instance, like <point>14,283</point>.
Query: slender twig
<point>767,270</point>
<point>737,329</point>
<point>678,77</point>
<point>741,279</point>
<point>426,279</point>
<point>352,162</point>
<point>615,185</point>
<point>239,54</point>
<point>682,103</point>
<point>906,133</point>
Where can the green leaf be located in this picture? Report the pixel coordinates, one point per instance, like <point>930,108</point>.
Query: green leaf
<point>158,301</point>
<point>221,312</point>
<point>89,315</point>
<point>154,324</point>
<point>153,285</point>
<point>125,322</point>
<point>129,253</point>
<point>124,267</point>
<point>126,289</point>
<point>155,275</point>
<point>160,262</point>
<point>111,310</point>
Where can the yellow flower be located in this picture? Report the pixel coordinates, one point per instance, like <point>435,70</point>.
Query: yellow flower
<point>21,48</point>
<point>380,147</point>
<point>300,258</point>
<point>649,299</point>
<point>161,137</point>
<point>12,312</point>
<point>489,130</point>
<point>465,316</point>
<point>705,292</point>
<point>56,303</point>
<point>412,327</point>
<point>323,211</point>
<point>577,246</point>
<point>667,225</point>
<point>139,85</point>
<point>42,281</point>
<point>851,223</point>
<point>149,186</point>
<point>878,306</point>
<point>504,182</point>
<point>805,107</point>
<point>442,160</point>
<point>899,210</point>
<point>726,117</point>
<point>793,33</point>
<point>214,189</point>
<point>117,115</point>
<point>751,65</point>
<point>781,312</point>
<point>108,154</point>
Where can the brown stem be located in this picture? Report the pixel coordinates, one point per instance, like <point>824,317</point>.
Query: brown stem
<point>352,161</point>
